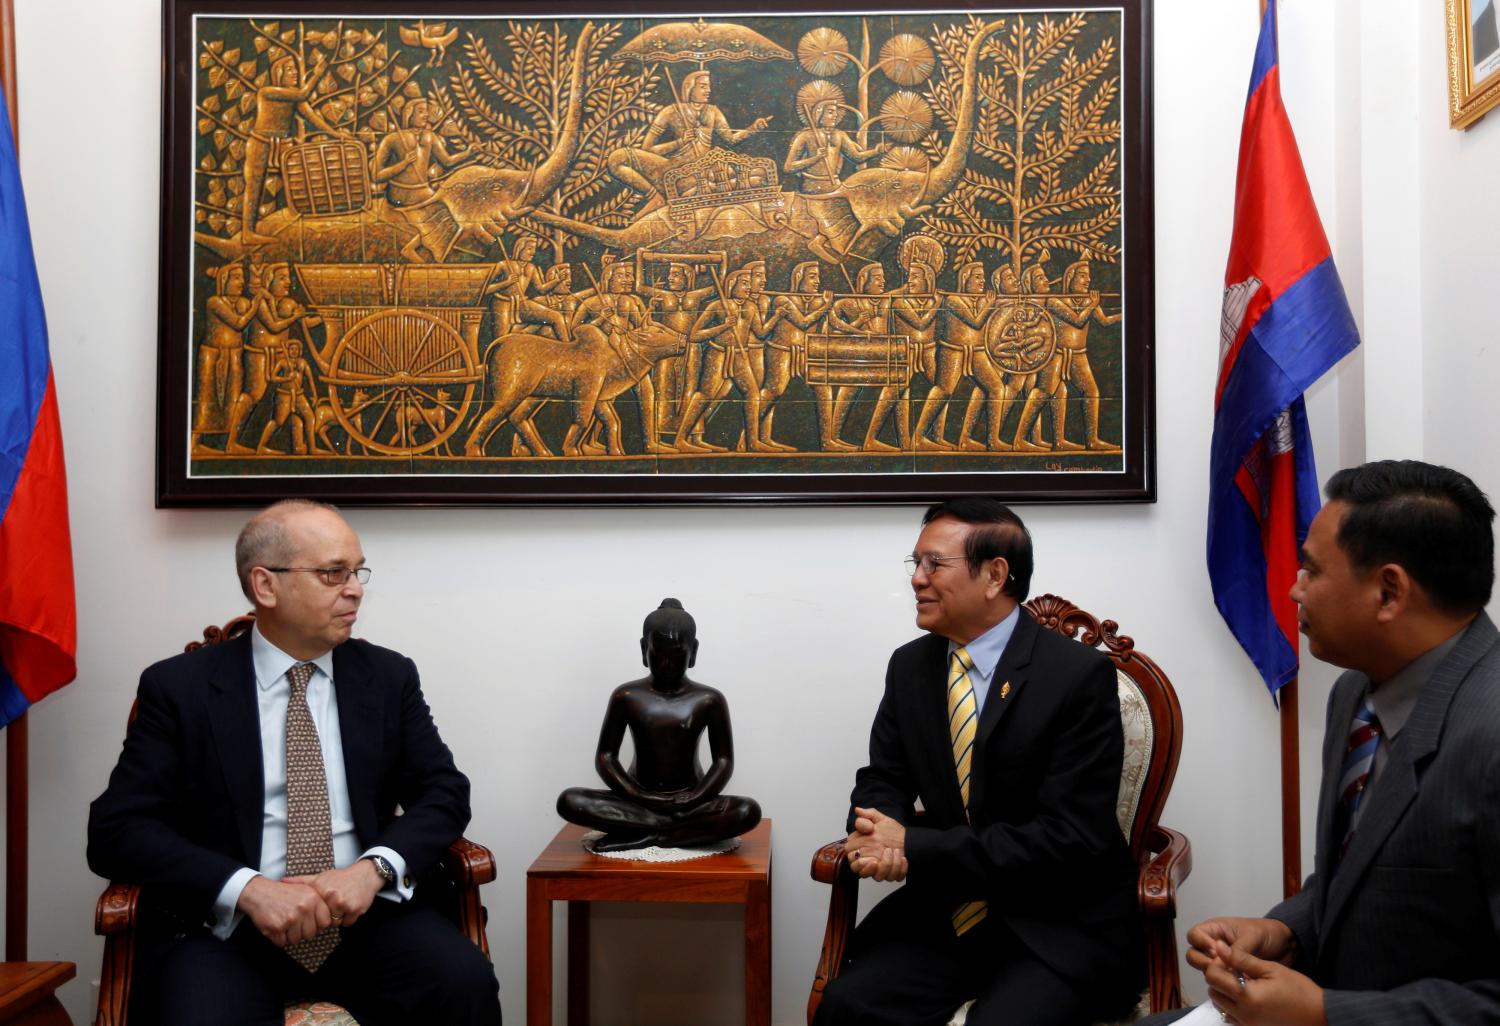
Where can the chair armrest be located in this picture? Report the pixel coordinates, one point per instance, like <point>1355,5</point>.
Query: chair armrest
<point>116,909</point>
<point>115,918</point>
<point>828,861</point>
<point>829,866</point>
<point>1164,872</point>
<point>1161,874</point>
<point>469,864</point>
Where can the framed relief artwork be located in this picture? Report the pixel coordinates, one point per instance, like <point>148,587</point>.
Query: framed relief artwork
<point>494,252</point>
<point>1473,60</point>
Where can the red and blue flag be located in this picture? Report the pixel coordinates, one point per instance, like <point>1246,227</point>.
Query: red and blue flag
<point>38,622</point>
<point>1285,323</point>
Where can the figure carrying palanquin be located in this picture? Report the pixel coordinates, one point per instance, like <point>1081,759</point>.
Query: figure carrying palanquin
<point>960,356</point>
<point>676,304</point>
<point>866,313</point>
<point>799,311</point>
<point>732,358</point>
<point>1074,310</point>
<point>914,309</point>
<point>220,355</point>
<point>1027,332</point>
<point>275,314</point>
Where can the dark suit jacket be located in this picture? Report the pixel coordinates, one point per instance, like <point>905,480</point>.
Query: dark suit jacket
<point>1044,846</point>
<point>1407,931</point>
<point>184,805</point>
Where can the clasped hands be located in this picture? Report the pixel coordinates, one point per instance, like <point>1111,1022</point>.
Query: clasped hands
<point>877,847</point>
<point>1246,963</point>
<point>300,907</point>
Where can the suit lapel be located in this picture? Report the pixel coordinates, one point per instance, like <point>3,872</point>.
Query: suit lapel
<point>359,726</point>
<point>932,708</point>
<point>1012,670</point>
<point>234,715</point>
<point>1397,786</point>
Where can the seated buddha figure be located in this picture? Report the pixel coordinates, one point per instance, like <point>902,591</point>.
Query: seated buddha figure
<point>665,798</point>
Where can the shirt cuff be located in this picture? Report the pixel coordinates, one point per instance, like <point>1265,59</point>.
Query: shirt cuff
<point>402,889</point>
<point>226,915</point>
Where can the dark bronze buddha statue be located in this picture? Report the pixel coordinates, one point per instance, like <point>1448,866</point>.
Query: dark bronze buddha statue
<point>665,798</point>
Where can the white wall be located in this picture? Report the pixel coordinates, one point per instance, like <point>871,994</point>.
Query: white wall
<point>522,620</point>
<point>1454,267</point>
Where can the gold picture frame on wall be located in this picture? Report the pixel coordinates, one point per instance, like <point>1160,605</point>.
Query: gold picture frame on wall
<point>1473,59</point>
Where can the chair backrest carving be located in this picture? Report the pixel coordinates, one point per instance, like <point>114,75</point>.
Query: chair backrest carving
<point>1150,715</point>
<point>212,635</point>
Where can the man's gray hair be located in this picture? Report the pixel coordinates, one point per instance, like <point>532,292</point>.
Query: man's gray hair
<point>265,541</point>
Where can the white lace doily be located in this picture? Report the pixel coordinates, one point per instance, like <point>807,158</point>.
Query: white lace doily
<point>655,854</point>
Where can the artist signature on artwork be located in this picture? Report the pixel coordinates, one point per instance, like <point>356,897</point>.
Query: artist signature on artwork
<point>1075,467</point>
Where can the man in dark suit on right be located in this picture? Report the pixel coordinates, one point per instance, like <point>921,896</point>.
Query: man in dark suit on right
<point>1400,921</point>
<point>1020,891</point>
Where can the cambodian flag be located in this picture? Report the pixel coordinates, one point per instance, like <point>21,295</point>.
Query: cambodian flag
<point>1285,323</point>
<point>38,623</point>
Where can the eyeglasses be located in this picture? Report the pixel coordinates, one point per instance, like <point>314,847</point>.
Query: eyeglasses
<point>928,563</point>
<point>333,576</point>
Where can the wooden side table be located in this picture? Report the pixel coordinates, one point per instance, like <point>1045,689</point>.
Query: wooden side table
<point>27,995</point>
<point>566,872</point>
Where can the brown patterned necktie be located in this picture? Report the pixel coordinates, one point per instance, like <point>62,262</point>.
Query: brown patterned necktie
<point>309,826</point>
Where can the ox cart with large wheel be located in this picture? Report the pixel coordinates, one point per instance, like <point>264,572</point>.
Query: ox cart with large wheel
<point>400,358</point>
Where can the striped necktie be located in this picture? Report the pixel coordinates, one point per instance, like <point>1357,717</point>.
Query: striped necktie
<point>1359,758</point>
<point>963,724</point>
<point>309,823</point>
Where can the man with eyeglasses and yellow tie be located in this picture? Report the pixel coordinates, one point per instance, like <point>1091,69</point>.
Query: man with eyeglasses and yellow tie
<point>1019,891</point>
<point>255,803</point>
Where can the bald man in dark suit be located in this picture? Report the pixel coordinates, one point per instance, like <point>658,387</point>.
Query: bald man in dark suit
<point>255,802</point>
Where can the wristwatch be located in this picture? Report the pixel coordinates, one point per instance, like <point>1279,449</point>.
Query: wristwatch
<point>384,868</point>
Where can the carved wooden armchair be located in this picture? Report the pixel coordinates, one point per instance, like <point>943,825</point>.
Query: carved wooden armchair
<point>467,865</point>
<point>1152,722</point>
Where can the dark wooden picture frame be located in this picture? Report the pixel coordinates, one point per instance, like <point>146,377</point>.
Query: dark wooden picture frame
<point>366,216</point>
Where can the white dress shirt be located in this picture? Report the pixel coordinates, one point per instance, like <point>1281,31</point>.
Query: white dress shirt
<point>273,690</point>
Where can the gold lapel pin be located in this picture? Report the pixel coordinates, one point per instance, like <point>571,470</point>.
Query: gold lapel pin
<point>1005,690</point>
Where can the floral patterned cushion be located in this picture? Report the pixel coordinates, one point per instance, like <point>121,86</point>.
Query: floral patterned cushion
<point>1140,738</point>
<point>318,1013</point>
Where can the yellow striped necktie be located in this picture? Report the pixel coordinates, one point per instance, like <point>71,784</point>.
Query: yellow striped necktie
<point>963,724</point>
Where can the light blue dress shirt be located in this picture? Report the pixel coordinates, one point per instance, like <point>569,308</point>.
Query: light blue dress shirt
<point>273,690</point>
<point>985,652</point>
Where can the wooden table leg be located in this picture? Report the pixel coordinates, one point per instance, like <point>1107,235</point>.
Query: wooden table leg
<point>758,954</point>
<point>578,963</point>
<point>538,954</point>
